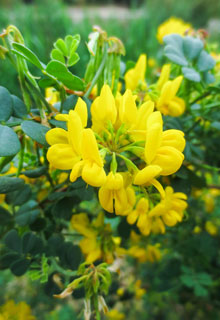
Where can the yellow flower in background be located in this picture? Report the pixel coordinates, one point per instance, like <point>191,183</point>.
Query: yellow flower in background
<point>139,292</point>
<point>2,198</point>
<point>51,95</point>
<point>171,208</point>
<point>12,311</point>
<point>153,253</point>
<point>172,25</point>
<point>139,215</point>
<point>135,77</point>
<point>98,242</point>
<point>197,230</point>
<point>115,315</point>
<point>211,228</point>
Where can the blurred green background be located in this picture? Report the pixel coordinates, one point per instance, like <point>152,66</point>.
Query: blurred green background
<point>135,22</point>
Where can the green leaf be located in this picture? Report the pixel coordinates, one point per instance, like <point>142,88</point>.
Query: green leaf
<point>19,196</point>
<point>9,142</point>
<point>200,291</point>
<point>7,259</point>
<point>57,55</point>
<point>5,104</point>
<point>73,59</point>
<point>192,47</point>
<point>61,73</point>
<point>35,131</point>
<point>31,244</point>
<point>191,74</point>
<point>19,108</point>
<point>205,61</point>
<point>12,241</point>
<point>35,173</point>
<point>61,46</point>
<point>27,213</point>
<point>45,83</point>
<point>8,184</point>
<point>28,55</point>
<point>20,266</point>
<point>5,215</point>
<point>187,280</point>
<point>208,77</point>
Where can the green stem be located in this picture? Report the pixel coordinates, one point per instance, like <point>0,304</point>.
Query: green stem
<point>97,75</point>
<point>21,156</point>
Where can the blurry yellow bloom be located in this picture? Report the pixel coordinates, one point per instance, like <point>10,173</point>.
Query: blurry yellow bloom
<point>98,242</point>
<point>197,230</point>
<point>115,315</point>
<point>168,103</point>
<point>139,292</point>
<point>172,25</point>
<point>2,198</point>
<point>136,76</point>
<point>51,95</point>
<point>139,215</point>
<point>211,228</point>
<point>120,292</point>
<point>153,253</point>
<point>12,311</point>
<point>152,62</point>
<point>171,208</point>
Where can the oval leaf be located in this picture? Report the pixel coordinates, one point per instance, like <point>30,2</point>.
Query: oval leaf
<point>61,73</point>
<point>9,142</point>
<point>8,184</point>
<point>5,104</point>
<point>28,55</point>
<point>19,108</point>
<point>36,131</point>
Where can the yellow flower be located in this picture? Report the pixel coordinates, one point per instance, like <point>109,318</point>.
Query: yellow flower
<point>153,253</point>
<point>168,103</point>
<point>140,213</point>
<point>20,311</point>
<point>139,292</point>
<point>2,198</point>
<point>136,76</point>
<point>114,196</point>
<point>197,230</point>
<point>98,242</point>
<point>51,95</point>
<point>163,152</point>
<point>171,208</point>
<point>211,228</point>
<point>76,149</point>
<point>115,315</point>
<point>172,25</point>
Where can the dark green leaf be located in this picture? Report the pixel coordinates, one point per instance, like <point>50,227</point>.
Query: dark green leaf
<point>35,131</point>
<point>8,184</point>
<point>5,104</point>
<point>12,241</point>
<point>27,213</point>
<point>9,142</point>
<point>28,55</point>
<point>20,266</point>
<point>20,196</point>
<point>5,215</point>
<point>61,73</point>
<point>7,259</point>
<point>19,108</point>
<point>31,244</point>
<point>35,173</point>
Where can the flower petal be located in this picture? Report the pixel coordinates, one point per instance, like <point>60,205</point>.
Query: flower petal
<point>57,135</point>
<point>62,156</point>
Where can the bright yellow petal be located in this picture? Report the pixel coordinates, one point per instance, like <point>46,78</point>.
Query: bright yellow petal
<point>75,130</point>
<point>93,174</point>
<point>164,76</point>
<point>62,156</point>
<point>76,171</point>
<point>57,135</point>
<point>90,149</point>
<point>173,138</point>
<point>81,109</point>
<point>169,159</point>
<point>106,199</point>
<point>147,174</point>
